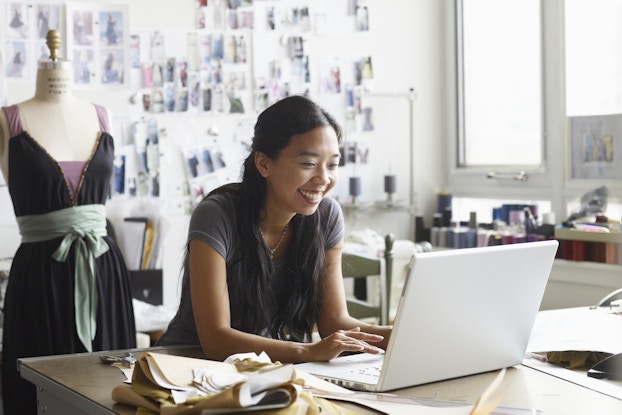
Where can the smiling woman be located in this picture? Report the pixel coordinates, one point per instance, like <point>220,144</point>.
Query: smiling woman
<point>263,260</point>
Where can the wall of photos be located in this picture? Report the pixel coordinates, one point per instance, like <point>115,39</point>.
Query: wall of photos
<point>186,79</point>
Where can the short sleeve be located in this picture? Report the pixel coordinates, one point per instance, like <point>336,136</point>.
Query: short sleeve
<point>333,223</point>
<point>212,221</point>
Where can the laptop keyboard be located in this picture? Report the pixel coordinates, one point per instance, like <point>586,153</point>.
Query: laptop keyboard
<point>371,371</point>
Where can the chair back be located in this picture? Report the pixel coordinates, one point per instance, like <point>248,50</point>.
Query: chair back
<point>362,266</point>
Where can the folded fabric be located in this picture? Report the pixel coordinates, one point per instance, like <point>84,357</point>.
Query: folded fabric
<point>574,359</point>
<point>167,385</point>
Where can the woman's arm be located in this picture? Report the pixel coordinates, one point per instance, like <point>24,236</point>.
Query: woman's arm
<point>210,303</point>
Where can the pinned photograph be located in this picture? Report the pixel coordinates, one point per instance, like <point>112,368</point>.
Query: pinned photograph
<point>362,17</point>
<point>113,67</point>
<point>82,27</point>
<point>16,59</point>
<point>48,18</point>
<point>111,28</point>
<point>17,16</point>
<point>83,66</point>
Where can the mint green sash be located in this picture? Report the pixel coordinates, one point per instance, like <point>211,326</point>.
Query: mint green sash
<point>85,226</point>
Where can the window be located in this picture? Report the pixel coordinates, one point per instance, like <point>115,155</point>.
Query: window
<point>593,57</point>
<point>501,91</point>
<point>522,74</point>
<point>593,95</point>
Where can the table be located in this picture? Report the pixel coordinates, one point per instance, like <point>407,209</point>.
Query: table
<point>81,384</point>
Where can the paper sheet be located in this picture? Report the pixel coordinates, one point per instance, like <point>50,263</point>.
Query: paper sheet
<point>611,388</point>
<point>580,329</point>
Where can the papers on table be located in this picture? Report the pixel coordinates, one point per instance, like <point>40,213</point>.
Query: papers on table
<point>593,329</point>
<point>257,389</point>
<point>580,329</point>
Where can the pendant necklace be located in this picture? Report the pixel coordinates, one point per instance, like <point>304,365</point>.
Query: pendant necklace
<point>273,250</point>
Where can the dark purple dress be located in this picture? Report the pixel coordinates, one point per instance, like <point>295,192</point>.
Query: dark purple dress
<point>39,304</point>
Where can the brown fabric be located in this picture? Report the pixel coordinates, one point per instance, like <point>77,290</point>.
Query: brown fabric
<point>150,398</point>
<point>572,359</point>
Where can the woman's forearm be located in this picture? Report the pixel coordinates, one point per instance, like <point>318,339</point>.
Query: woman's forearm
<point>223,343</point>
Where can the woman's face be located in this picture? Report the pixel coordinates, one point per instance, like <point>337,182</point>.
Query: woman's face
<point>303,174</point>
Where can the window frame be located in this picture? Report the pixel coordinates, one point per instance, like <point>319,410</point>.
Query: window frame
<point>551,181</point>
<point>461,99</point>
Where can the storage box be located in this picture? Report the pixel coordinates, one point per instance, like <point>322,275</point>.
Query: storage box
<point>146,285</point>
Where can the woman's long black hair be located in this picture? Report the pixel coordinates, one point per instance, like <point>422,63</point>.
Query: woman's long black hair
<point>297,310</point>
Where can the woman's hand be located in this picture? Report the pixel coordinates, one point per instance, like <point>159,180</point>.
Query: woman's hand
<point>353,340</point>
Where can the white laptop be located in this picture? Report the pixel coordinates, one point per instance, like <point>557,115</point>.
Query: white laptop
<point>462,312</point>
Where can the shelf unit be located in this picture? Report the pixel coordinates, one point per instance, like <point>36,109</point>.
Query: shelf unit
<point>588,236</point>
<point>576,282</point>
<point>590,246</point>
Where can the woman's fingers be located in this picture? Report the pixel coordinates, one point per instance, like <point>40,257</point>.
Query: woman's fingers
<point>354,341</point>
<point>360,335</point>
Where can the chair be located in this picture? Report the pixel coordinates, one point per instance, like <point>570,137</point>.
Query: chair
<point>361,266</point>
<point>612,299</point>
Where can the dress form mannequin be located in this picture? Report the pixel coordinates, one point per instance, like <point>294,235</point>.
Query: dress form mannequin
<point>60,121</point>
<point>68,289</point>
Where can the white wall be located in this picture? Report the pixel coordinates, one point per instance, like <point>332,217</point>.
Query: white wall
<point>406,44</point>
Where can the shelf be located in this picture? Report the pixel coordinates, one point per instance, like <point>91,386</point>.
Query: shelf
<point>579,235</point>
<point>393,205</point>
<point>355,206</point>
<point>380,205</point>
<point>587,266</point>
<point>578,284</point>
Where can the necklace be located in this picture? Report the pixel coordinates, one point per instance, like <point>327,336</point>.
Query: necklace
<point>273,250</point>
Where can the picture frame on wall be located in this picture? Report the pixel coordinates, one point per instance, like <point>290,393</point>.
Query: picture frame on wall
<point>596,146</point>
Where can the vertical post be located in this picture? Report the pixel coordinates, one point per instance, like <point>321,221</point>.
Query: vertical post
<point>412,198</point>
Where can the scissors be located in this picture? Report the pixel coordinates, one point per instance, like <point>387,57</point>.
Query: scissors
<point>126,360</point>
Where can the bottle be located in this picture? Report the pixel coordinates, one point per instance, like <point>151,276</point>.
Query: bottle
<point>472,230</point>
<point>435,230</point>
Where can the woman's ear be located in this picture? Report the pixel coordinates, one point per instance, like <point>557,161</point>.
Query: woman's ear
<point>262,162</point>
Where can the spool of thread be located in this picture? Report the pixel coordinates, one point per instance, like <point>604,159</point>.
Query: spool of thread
<point>482,238</point>
<point>442,237</point>
<point>516,217</point>
<point>447,214</point>
<point>435,236</point>
<point>473,220</point>
<point>450,238</point>
<point>471,237</point>
<point>437,220</point>
<point>443,202</point>
<point>355,186</point>
<point>460,238</point>
<point>420,234</point>
<point>390,183</point>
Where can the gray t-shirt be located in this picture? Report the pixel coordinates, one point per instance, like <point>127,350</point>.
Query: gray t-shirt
<point>214,221</point>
